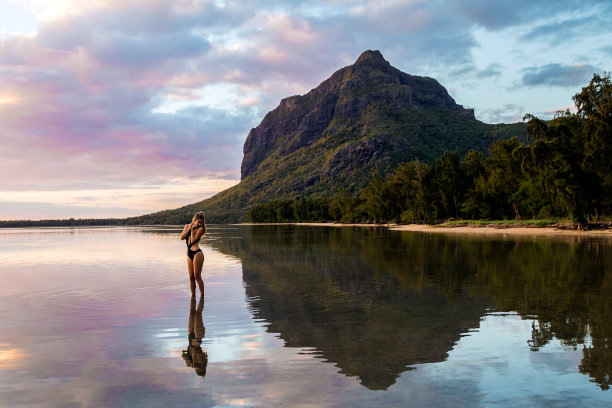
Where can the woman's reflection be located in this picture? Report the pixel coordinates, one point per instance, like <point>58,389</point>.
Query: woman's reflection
<point>194,356</point>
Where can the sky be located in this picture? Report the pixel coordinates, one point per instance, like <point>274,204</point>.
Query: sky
<point>114,108</point>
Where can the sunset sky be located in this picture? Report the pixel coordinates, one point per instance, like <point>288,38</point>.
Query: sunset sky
<point>117,108</point>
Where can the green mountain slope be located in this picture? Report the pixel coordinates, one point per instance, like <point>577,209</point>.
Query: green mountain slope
<point>365,116</point>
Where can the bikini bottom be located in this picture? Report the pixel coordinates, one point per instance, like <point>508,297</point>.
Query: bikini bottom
<point>191,254</point>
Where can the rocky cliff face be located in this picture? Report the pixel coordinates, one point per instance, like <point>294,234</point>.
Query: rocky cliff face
<point>346,98</point>
<point>365,116</point>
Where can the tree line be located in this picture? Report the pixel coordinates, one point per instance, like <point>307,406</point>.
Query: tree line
<point>66,222</point>
<point>562,170</point>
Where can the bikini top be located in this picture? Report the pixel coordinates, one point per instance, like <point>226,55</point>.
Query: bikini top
<point>194,242</point>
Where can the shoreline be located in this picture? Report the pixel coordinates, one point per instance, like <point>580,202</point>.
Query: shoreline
<point>504,230</point>
<point>463,229</point>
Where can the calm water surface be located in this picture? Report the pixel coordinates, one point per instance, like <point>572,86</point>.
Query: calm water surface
<point>303,317</point>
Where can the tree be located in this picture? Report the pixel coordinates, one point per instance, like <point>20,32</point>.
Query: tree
<point>450,184</point>
<point>344,207</point>
<point>554,161</point>
<point>494,195</point>
<point>376,199</point>
<point>594,105</point>
<point>410,188</point>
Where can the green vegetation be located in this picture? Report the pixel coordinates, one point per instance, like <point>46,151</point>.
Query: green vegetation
<point>302,209</point>
<point>411,296</point>
<point>563,170</point>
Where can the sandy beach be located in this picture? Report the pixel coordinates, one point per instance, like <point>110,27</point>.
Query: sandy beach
<point>502,230</point>
<point>466,229</point>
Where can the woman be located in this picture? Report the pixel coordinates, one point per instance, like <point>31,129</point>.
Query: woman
<point>194,356</point>
<point>195,258</point>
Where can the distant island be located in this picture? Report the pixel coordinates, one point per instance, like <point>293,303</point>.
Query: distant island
<point>372,144</point>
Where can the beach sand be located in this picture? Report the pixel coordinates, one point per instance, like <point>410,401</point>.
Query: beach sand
<point>503,230</point>
<point>466,229</point>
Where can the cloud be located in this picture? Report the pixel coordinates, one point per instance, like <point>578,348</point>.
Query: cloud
<point>83,201</point>
<point>558,75</point>
<point>606,50</point>
<point>493,70</point>
<point>585,22</point>
<point>510,113</point>
<point>563,109</point>
<point>417,32</point>
<point>34,210</point>
<point>86,92</point>
<point>501,14</point>
<point>109,93</point>
<point>469,70</point>
<point>562,31</point>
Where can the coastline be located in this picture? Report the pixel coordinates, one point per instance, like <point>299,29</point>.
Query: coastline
<point>318,224</point>
<point>504,230</point>
<point>464,229</point>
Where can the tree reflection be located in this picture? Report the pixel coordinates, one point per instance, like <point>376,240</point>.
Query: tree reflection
<point>375,301</point>
<point>596,362</point>
<point>540,336</point>
<point>194,356</point>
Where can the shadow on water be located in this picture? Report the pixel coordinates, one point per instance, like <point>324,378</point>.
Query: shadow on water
<point>194,356</point>
<point>376,302</point>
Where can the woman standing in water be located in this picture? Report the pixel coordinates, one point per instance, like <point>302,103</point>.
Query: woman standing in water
<point>195,258</point>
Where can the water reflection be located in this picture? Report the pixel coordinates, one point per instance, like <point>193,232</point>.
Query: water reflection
<point>304,317</point>
<point>194,356</point>
<point>376,302</point>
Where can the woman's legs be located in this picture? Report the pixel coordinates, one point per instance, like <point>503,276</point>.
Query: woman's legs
<point>192,280</point>
<point>198,262</point>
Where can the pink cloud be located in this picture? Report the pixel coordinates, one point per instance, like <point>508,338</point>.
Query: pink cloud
<point>81,100</point>
<point>85,88</point>
<point>291,31</point>
<point>571,108</point>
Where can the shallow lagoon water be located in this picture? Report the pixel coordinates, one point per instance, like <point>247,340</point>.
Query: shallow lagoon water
<point>304,317</point>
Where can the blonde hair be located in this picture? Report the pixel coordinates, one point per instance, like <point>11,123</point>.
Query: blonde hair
<point>199,214</point>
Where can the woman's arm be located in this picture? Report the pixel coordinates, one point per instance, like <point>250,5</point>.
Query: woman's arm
<point>197,234</point>
<point>186,231</point>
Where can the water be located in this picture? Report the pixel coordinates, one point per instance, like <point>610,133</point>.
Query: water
<point>303,317</point>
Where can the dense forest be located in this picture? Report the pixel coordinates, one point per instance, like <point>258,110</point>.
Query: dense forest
<point>563,170</point>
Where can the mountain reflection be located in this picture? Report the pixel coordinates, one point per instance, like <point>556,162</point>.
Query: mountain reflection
<point>375,302</point>
<point>194,356</point>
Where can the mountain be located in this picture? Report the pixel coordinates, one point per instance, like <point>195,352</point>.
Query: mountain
<point>375,303</point>
<point>366,116</point>
<point>373,317</point>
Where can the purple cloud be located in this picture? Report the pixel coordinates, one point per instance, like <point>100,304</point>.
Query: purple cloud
<point>558,75</point>
<point>501,14</point>
<point>131,92</point>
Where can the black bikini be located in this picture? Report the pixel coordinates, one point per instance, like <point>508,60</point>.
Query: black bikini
<point>190,253</point>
